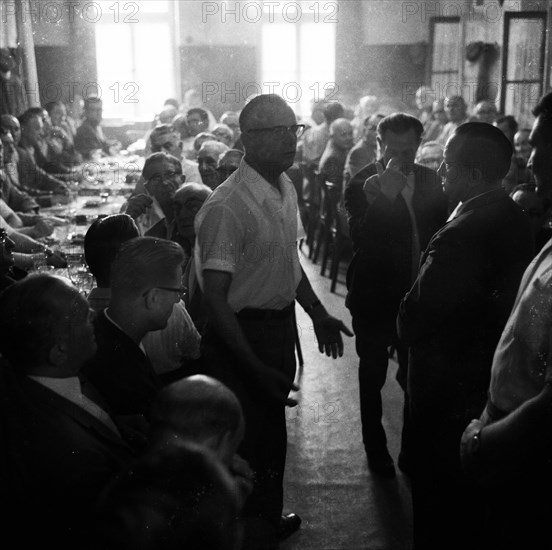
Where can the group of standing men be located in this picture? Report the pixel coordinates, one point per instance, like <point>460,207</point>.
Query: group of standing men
<point>435,274</point>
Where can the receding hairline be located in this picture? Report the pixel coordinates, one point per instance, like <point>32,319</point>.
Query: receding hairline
<point>261,108</point>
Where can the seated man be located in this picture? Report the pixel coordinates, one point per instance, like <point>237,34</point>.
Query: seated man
<point>188,200</point>
<point>60,445</point>
<point>90,136</point>
<point>364,151</point>
<point>197,120</point>
<point>332,162</point>
<point>204,411</point>
<point>207,158</point>
<point>224,134</point>
<point>231,119</point>
<point>6,260</point>
<point>455,109</point>
<point>146,278</point>
<point>228,163</point>
<point>15,197</point>
<point>172,350</point>
<point>164,138</point>
<point>31,176</point>
<point>174,496</point>
<point>153,209</point>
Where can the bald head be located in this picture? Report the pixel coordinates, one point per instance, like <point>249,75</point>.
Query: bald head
<point>341,133</point>
<point>198,408</point>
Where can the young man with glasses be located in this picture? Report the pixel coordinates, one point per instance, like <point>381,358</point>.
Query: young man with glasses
<point>249,271</point>
<point>146,283</point>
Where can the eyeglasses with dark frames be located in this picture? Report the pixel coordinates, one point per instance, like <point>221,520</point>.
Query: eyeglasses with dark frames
<point>180,290</point>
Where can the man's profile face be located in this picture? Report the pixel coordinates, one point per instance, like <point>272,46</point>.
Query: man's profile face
<point>94,112</point>
<point>167,297</point>
<point>540,161</point>
<point>400,146</point>
<point>267,147</point>
<point>453,174</point>
<point>34,130</point>
<point>522,145</point>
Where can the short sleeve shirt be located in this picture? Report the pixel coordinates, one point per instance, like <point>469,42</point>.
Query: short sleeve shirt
<point>250,229</point>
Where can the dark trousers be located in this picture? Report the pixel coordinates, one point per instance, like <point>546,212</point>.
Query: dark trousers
<point>372,343</point>
<point>265,442</point>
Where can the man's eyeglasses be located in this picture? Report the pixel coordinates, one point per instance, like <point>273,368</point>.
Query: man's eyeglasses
<point>157,179</point>
<point>280,131</point>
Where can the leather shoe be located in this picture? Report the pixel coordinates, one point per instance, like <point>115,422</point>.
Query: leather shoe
<point>382,466</point>
<point>289,523</point>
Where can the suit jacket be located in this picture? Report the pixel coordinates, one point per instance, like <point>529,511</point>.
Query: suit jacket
<point>453,316</point>
<point>381,270</point>
<point>121,371</point>
<point>332,164</point>
<point>56,459</point>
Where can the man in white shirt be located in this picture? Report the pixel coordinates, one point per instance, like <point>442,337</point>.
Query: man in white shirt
<point>249,271</point>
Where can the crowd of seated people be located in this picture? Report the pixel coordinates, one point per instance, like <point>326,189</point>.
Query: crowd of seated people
<point>136,448</point>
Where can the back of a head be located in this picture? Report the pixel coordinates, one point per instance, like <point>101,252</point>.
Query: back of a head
<point>203,137</point>
<point>192,190</point>
<point>543,110</point>
<point>141,263</point>
<point>197,408</point>
<point>333,110</point>
<point>173,497</point>
<point>32,310</point>
<point>400,123</point>
<point>484,147</point>
<point>167,114</point>
<point>212,148</point>
<point>230,159</point>
<point>27,116</point>
<point>102,242</point>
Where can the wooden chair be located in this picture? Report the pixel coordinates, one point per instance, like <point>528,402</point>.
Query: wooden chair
<point>339,240</point>
<point>322,234</point>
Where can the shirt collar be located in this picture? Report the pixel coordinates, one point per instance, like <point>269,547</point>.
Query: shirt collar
<point>62,386</point>
<point>258,186</point>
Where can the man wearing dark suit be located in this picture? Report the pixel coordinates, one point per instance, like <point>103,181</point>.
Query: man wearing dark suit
<point>59,444</point>
<point>452,319</point>
<point>391,218</point>
<point>146,282</point>
<point>90,136</point>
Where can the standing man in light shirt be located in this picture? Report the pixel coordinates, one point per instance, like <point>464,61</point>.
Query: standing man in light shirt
<point>249,271</point>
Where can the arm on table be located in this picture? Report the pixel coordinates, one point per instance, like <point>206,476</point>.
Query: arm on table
<point>216,285</point>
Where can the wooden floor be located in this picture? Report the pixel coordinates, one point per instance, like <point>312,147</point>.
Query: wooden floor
<point>327,480</point>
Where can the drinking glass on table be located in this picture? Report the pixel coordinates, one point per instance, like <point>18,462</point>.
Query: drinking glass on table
<point>84,281</point>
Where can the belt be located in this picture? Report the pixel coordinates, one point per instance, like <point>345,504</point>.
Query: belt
<point>252,314</point>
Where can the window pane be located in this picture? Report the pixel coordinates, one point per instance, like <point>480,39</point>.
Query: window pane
<point>153,6</point>
<point>445,47</point>
<point>317,50</point>
<point>154,68</point>
<point>114,71</point>
<point>279,57</point>
<point>520,99</point>
<point>524,49</point>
